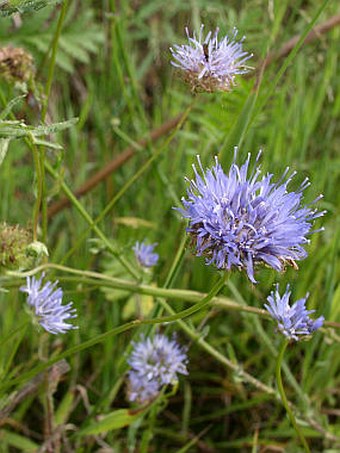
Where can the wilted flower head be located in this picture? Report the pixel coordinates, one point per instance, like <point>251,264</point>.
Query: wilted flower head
<point>154,362</point>
<point>209,64</point>
<point>237,220</point>
<point>292,320</point>
<point>16,64</point>
<point>14,241</point>
<point>145,255</point>
<point>46,302</point>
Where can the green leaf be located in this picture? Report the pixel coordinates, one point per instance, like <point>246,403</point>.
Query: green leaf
<point>17,129</point>
<point>10,130</point>
<point>18,441</point>
<point>4,142</point>
<point>38,141</point>
<point>9,107</point>
<point>115,420</point>
<point>237,133</point>
<point>64,409</point>
<point>55,127</point>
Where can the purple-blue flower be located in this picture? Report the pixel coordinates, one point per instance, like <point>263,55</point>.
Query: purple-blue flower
<point>209,64</point>
<point>154,362</point>
<point>140,389</point>
<point>238,220</point>
<point>293,321</point>
<point>46,302</point>
<point>145,255</point>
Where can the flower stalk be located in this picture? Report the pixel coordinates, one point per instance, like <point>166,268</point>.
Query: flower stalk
<point>283,396</point>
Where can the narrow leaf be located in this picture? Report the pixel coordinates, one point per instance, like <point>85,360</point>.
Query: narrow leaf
<point>51,128</point>
<point>4,142</point>
<point>115,420</point>
<point>9,107</point>
<point>38,141</point>
<point>17,441</point>
<point>237,133</point>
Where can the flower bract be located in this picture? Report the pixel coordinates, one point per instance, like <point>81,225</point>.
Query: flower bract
<point>210,64</point>
<point>46,303</point>
<point>237,220</point>
<point>293,321</point>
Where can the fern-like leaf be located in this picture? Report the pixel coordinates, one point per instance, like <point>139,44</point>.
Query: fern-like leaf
<point>80,37</point>
<point>10,130</point>
<point>9,7</point>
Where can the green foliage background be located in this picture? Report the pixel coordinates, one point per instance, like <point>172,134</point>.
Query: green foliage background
<point>113,72</point>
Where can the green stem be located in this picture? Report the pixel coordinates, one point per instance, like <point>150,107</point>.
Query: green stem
<point>15,337</point>
<point>68,192</point>
<point>40,189</point>
<point>42,184</point>
<point>42,154</point>
<point>284,397</point>
<point>51,67</point>
<point>13,333</point>
<point>38,171</point>
<point>130,182</point>
<point>91,278</point>
<point>123,328</point>
<point>288,61</point>
<point>235,367</point>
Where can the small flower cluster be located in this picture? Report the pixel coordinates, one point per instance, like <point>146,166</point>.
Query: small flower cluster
<point>46,302</point>
<point>145,255</point>
<point>155,362</point>
<point>293,321</point>
<point>209,64</point>
<point>240,220</point>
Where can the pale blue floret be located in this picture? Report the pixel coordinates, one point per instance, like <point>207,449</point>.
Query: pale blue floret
<point>140,389</point>
<point>154,362</point>
<point>240,220</point>
<point>293,321</point>
<point>46,302</point>
<point>145,255</point>
<point>209,63</point>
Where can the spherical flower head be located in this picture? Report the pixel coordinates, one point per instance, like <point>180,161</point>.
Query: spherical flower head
<point>293,321</point>
<point>239,221</point>
<point>46,303</point>
<point>154,362</point>
<point>208,64</point>
<point>145,255</point>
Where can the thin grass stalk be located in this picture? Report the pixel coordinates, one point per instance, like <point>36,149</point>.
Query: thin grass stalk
<point>125,188</point>
<point>92,224</point>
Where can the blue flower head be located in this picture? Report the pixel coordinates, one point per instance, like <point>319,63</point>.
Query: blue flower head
<point>154,362</point>
<point>238,220</point>
<point>46,303</point>
<point>209,64</point>
<point>145,255</point>
<point>293,321</point>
